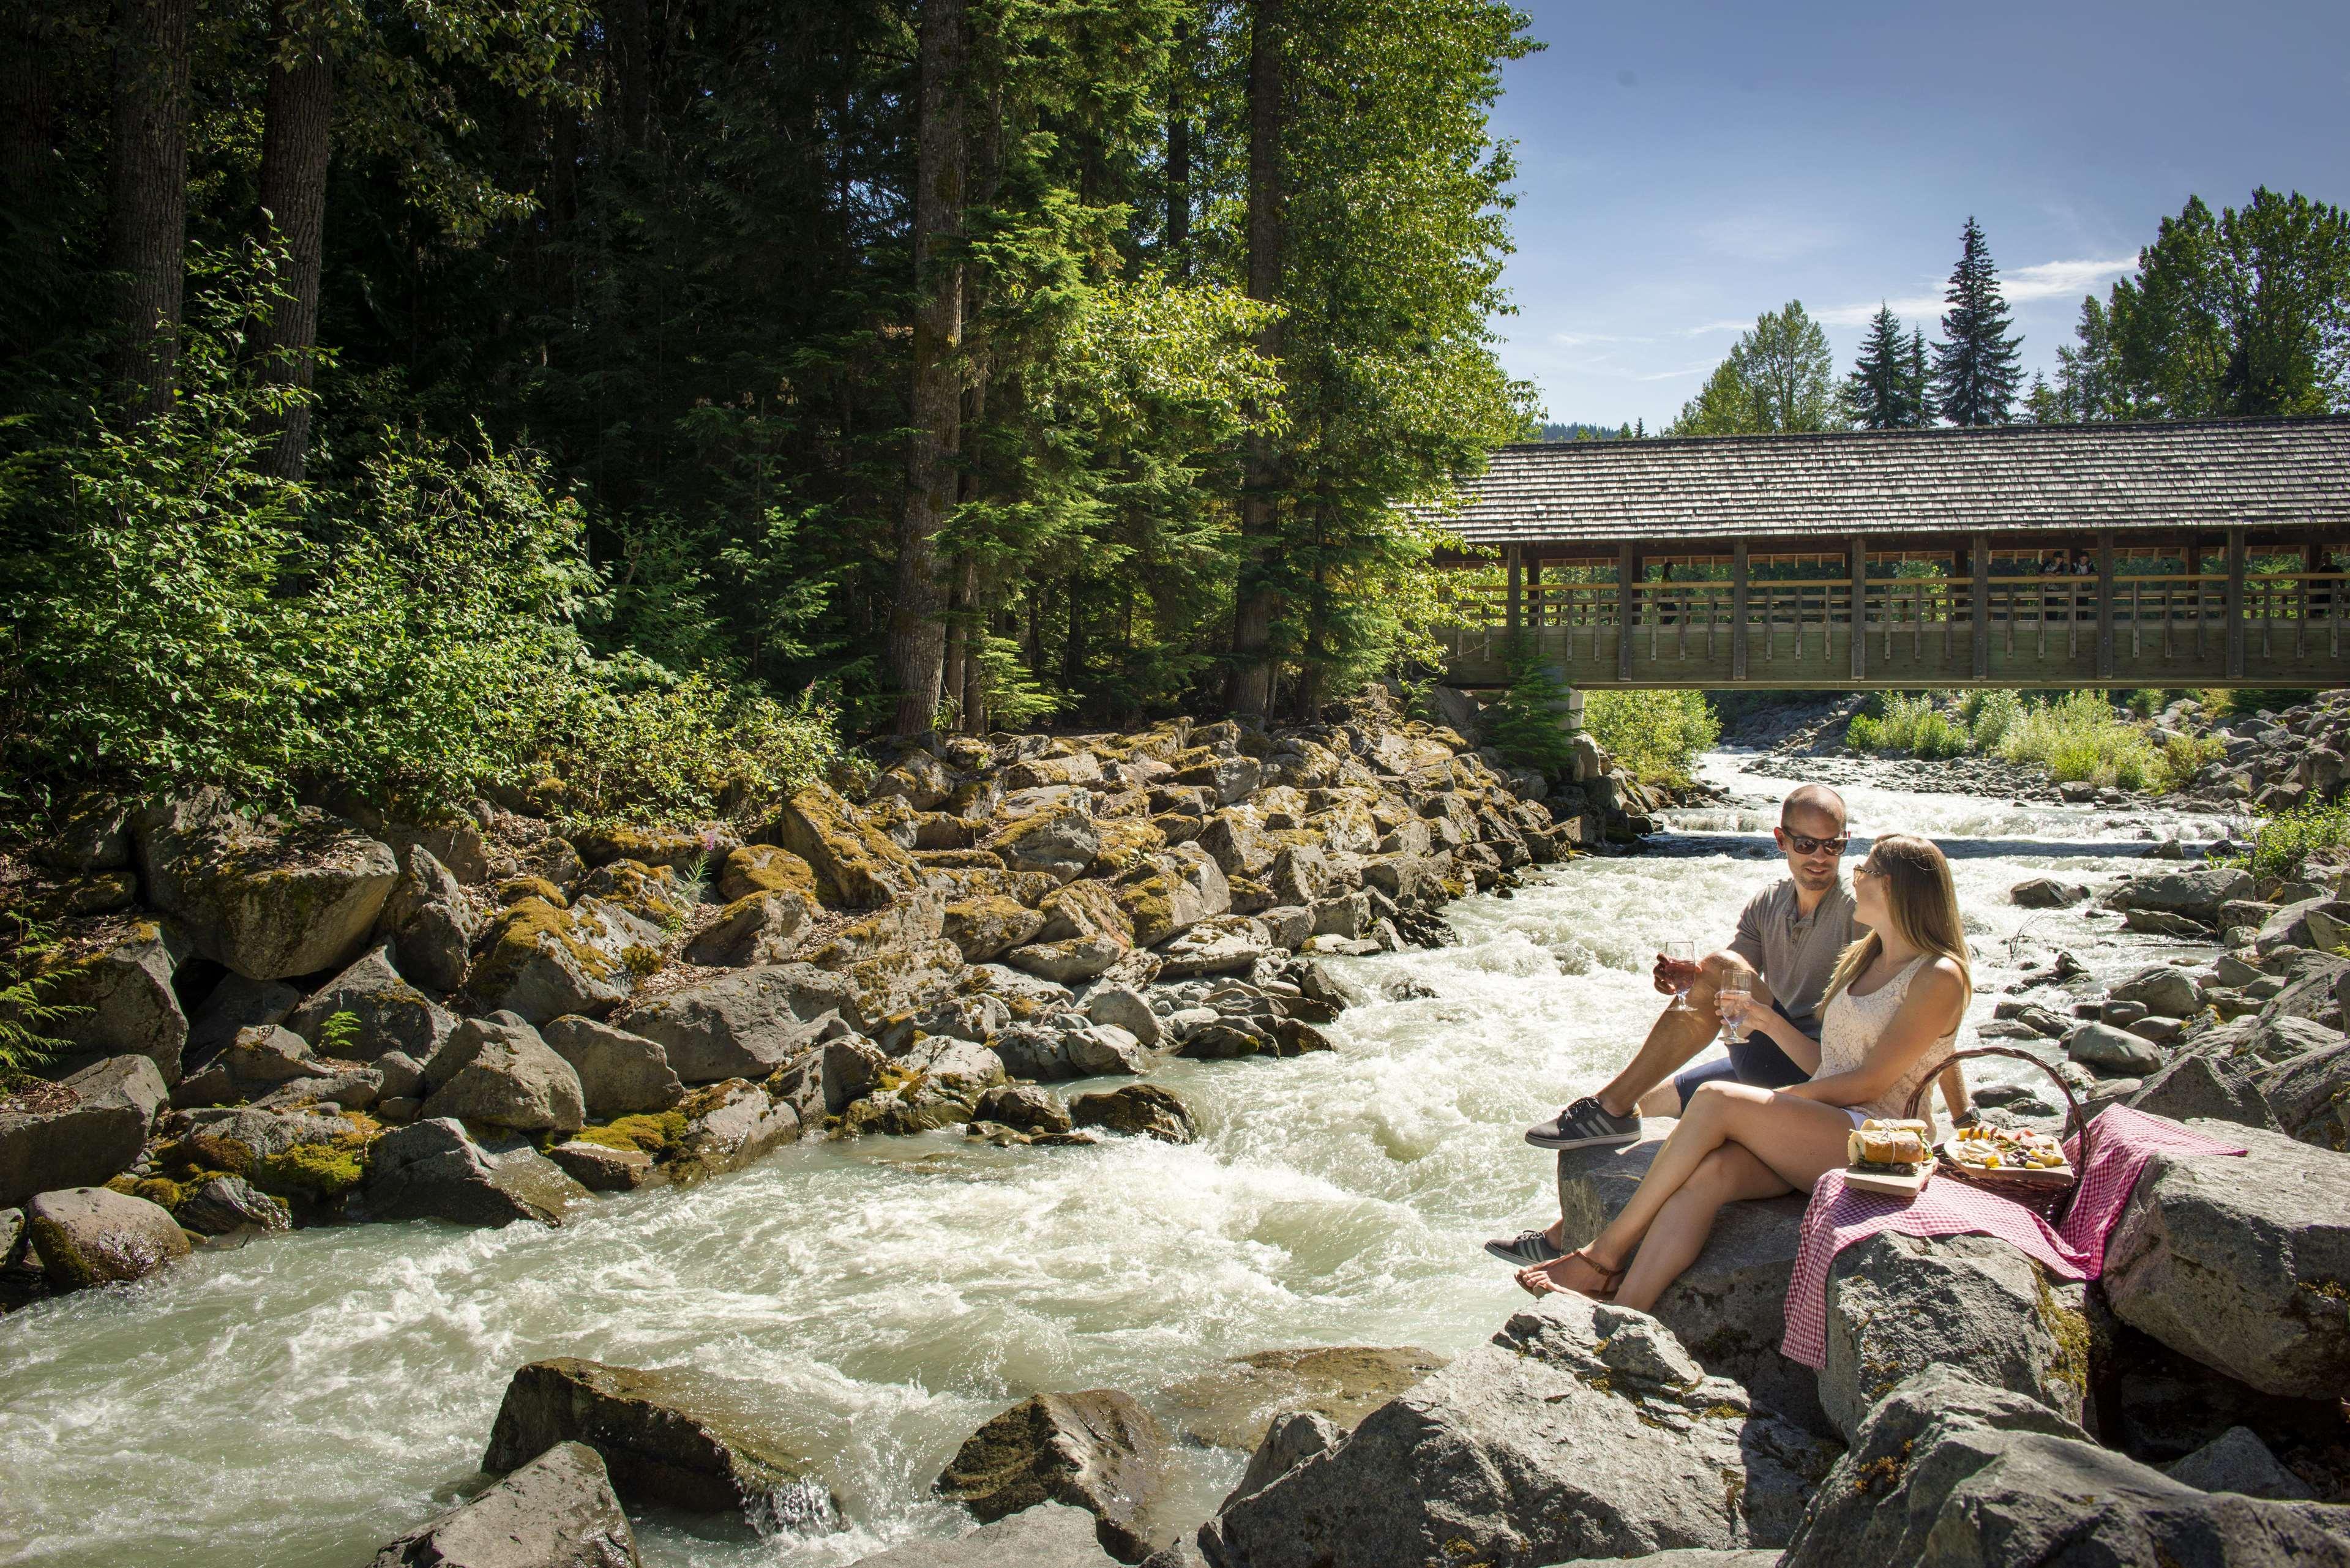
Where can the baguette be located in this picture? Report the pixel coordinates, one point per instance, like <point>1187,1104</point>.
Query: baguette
<point>1876,1144</point>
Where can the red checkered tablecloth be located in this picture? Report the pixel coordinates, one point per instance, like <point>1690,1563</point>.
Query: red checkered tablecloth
<point>1839,1216</point>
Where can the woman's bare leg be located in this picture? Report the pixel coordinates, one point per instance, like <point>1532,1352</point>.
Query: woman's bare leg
<point>1728,1174</point>
<point>1797,1137</point>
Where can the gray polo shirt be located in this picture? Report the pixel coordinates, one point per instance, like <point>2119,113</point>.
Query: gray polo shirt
<point>1794,954</point>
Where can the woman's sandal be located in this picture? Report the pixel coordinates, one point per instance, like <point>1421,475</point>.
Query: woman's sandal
<point>1610,1280</point>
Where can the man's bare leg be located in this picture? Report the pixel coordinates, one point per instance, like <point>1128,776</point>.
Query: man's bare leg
<point>1644,1084</point>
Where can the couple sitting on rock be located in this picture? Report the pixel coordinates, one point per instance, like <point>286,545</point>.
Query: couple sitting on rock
<point>1853,1000</point>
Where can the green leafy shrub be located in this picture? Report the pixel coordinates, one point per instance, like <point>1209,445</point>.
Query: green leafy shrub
<point>1864,733</point>
<point>2078,738</point>
<point>2181,757</point>
<point>1989,715</point>
<point>2287,840</point>
<point>1657,734</point>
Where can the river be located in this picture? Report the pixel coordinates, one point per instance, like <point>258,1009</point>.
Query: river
<point>300,1400</point>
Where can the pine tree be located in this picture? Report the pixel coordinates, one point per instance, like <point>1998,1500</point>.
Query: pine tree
<point>1920,381</point>
<point>1976,368</point>
<point>1879,394</point>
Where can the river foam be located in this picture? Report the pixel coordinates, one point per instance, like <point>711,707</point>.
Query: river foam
<point>300,1400</point>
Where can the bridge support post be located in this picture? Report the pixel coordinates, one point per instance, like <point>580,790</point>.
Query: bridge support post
<point>2235,604</point>
<point>1513,617</point>
<point>1627,567</point>
<point>2105,605</point>
<point>1737,610</point>
<point>1979,604</point>
<point>1859,607</point>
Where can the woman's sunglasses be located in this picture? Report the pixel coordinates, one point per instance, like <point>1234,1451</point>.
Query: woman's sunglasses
<point>1805,844</point>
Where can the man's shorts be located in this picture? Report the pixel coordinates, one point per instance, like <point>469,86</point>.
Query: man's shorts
<point>1755,1060</point>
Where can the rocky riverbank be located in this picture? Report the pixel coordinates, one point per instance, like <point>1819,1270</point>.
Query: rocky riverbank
<point>307,1018</point>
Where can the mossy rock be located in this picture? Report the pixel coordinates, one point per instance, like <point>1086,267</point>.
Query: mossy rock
<point>675,848</point>
<point>766,869</point>
<point>857,865</point>
<point>521,889</point>
<point>655,1134</point>
<point>1124,844</point>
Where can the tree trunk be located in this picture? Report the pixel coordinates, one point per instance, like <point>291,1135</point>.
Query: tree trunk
<point>28,107</point>
<point>297,119</point>
<point>628,28</point>
<point>1179,153</point>
<point>1073,647</point>
<point>917,638</point>
<point>1256,602</point>
<point>147,218</point>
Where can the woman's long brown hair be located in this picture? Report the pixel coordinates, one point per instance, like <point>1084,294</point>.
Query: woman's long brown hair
<point>1925,908</point>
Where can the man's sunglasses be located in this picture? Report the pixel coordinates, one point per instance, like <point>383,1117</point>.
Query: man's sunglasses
<point>1805,844</point>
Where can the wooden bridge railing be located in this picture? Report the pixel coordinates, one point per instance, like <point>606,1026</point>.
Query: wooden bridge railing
<point>2053,629</point>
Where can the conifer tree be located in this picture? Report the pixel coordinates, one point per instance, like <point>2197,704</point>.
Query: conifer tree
<point>1921,380</point>
<point>1881,394</point>
<point>1976,367</point>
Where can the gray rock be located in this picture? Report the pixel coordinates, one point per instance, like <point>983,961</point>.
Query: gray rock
<point>236,1003</point>
<point>1105,1048</point>
<point>2159,990</point>
<point>97,1136</point>
<point>2313,989</point>
<point>267,900</point>
<point>271,1056</point>
<point>1123,1007</point>
<point>1023,1107</point>
<point>674,1438</point>
<point>1287,926</point>
<point>1326,983</point>
<point>1235,1406</point>
<point>556,1512</point>
<point>762,928</point>
<point>501,1074</point>
<point>2310,1095</point>
<point>1070,960</point>
<point>742,1025</point>
<point>2239,1261</point>
<point>2046,893</point>
<point>1729,1306</point>
<point>1289,1442</point>
<point>2321,922</point>
<point>600,1168</point>
<point>87,1236</point>
<point>2201,1084</point>
<point>2163,923</point>
<point>1533,1450</point>
<point>2238,1461</point>
<point>1947,1473</point>
<point>227,1204</point>
<point>852,1067</point>
<point>2196,895</point>
<point>620,1073</point>
<point>1898,1305</point>
<point>1049,1536</point>
<point>129,1008</point>
<point>1347,915</point>
<point>1140,1108</point>
<point>1227,944</point>
<point>389,1013</point>
<point>2112,1050</point>
<point>1099,1450</point>
<point>730,1124</point>
<point>431,923</point>
<point>265,1133</point>
<point>400,1076</point>
<point>541,962</point>
<point>435,1171</point>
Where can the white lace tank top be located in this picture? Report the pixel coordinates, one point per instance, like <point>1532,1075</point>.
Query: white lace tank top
<point>1850,1029</point>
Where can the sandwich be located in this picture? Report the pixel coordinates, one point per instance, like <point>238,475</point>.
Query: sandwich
<point>1895,1147</point>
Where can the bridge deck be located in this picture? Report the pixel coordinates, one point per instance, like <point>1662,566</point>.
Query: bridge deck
<point>2281,629</point>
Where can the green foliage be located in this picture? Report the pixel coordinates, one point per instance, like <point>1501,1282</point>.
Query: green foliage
<point>1989,714</point>
<point>336,1033</point>
<point>1887,387</point>
<point>1657,734</point>
<point>2287,840</point>
<point>29,976</point>
<point>1778,377</point>
<point>2078,737</point>
<point>1524,723</point>
<point>2181,757</point>
<point>1915,723</point>
<point>1976,364</point>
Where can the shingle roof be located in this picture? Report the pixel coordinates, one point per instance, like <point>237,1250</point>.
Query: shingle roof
<point>2202,474</point>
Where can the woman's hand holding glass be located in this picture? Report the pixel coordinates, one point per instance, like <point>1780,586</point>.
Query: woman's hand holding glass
<point>1737,1011</point>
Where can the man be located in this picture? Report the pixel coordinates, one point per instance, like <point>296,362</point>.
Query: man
<point>1786,948</point>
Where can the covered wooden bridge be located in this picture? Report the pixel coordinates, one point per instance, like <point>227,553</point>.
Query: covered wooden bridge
<point>2189,554</point>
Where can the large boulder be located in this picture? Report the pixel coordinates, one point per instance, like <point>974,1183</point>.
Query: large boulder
<point>1946,1472</point>
<point>541,961</point>
<point>2163,990</point>
<point>2112,1050</point>
<point>556,1512</point>
<point>991,924</point>
<point>620,1073</point>
<point>1099,1450</point>
<point>430,921</point>
<point>1059,840</point>
<point>235,1005</point>
<point>436,1171</point>
<point>2238,1461</point>
<point>765,868</point>
<point>758,927</point>
<point>730,1124</point>
<point>387,1013</point>
<point>1172,893</point>
<point>80,1132</point>
<point>1048,1535</point>
<point>936,1083</point>
<point>267,899</point>
<point>2323,923</point>
<point>1225,944</point>
<point>1898,1305</point>
<point>2309,1095</point>
<point>668,1439</point>
<point>2240,1262</point>
<point>2195,894</point>
<point>501,1074</point>
<point>741,1026</point>
<point>227,1205</point>
<point>1123,1007</point>
<point>1145,1109</point>
<point>857,865</point>
<point>1068,962</point>
<point>1235,1406</point>
<point>88,1236</point>
<point>120,1002</point>
<point>2200,1084</point>
<point>1729,1306</point>
<point>1583,1430</point>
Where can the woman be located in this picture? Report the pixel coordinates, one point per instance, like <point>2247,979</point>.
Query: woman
<point>1890,1014</point>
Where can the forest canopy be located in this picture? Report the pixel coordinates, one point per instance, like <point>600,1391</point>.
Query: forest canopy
<point>406,396</point>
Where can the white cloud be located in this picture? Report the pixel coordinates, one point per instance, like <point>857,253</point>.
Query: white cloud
<point>2043,280</point>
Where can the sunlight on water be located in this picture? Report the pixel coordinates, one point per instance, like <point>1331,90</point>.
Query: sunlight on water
<point>303,1399</point>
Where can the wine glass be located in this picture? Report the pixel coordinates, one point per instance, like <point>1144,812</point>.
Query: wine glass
<point>1733,1018</point>
<point>1682,955</point>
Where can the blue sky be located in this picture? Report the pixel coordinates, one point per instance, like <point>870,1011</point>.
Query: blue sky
<point>1683,167</point>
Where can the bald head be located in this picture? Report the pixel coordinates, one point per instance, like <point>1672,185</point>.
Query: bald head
<point>1812,808</point>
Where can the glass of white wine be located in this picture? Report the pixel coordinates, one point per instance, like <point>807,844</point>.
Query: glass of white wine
<point>1682,956</point>
<point>1733,1001</point>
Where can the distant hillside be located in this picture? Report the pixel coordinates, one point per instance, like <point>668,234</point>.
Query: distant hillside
<point>1588,432</point>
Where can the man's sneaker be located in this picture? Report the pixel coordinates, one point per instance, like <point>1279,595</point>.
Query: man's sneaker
<point>1587,1124</point>
<point>1526,1249</point>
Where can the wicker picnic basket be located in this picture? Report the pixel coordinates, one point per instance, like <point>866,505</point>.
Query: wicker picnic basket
<point>2035,1189</point>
